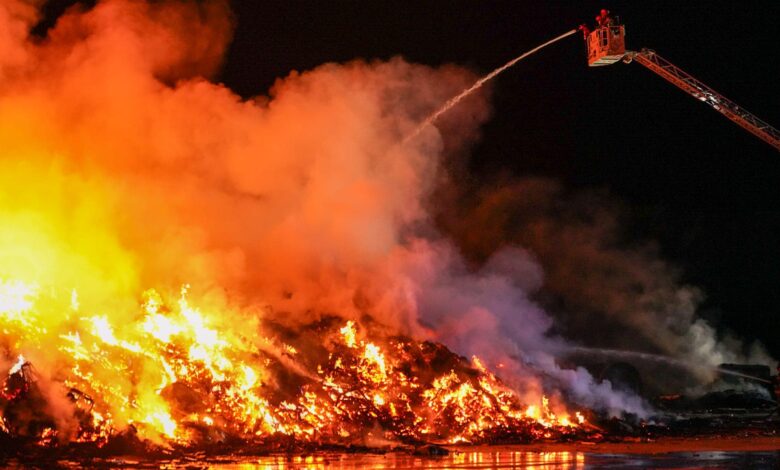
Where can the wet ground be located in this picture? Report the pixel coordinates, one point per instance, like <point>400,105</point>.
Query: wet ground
<point>523,460</point>
<point>733,452</point>
<point>504,459</point>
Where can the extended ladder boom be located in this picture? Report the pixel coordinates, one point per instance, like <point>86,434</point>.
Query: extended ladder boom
<point>699,90</point>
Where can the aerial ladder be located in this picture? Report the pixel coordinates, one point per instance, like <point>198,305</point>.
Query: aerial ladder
<point>607,45</point>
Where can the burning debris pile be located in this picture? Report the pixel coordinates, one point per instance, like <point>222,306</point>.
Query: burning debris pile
<point>330,383</point>
<point>329,302</point>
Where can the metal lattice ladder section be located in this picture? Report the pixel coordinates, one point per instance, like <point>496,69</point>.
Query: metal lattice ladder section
<point>699,90</point>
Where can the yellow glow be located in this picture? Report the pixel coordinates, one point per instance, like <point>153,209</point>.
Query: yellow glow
<point>102,329</point>
<point>163,422</point>
<point>20,361</point>
<point>348,331</point>
<point>74,300</point>
<point>161,327</point>
<point>16,298</point>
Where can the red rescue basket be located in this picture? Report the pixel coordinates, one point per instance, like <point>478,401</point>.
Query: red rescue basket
<point>606,45</point>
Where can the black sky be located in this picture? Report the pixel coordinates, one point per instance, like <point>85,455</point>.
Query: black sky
<point>706,190</point>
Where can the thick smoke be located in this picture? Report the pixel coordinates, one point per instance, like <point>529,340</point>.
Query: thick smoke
<point>298,199</point>
<point>124,168</point>
<point>602,290</point>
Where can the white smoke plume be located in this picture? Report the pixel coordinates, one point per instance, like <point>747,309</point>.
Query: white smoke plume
<point>602,289</point>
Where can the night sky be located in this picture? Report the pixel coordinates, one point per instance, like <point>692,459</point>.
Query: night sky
<point>706,190</point>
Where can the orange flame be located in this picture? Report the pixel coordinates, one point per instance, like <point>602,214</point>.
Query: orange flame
<point>122,167</point>
<point>173,372</point>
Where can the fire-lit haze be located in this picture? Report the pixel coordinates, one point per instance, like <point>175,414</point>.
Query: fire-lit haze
<point>176,258</point>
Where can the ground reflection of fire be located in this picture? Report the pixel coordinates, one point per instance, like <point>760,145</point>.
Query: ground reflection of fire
<point>176,375</point>
<point>468,459</point>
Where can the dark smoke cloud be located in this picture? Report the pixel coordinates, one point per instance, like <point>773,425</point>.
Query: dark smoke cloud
<point>603,289</point>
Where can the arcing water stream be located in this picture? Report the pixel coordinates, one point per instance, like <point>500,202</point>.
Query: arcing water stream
<point>658,358</point>
<point>574,350</point>
<point>477,85</point>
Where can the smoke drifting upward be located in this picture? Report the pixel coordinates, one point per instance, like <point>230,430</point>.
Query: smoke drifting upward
<point>602,290</point>
<point>299,199</point>
<point>124,168</point>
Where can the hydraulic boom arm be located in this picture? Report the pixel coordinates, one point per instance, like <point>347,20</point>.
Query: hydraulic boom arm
<point>699,90</point>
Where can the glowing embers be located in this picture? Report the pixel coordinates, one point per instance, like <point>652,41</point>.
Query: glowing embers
<point>178,374</point>
<point>397,388</point>
<point>479,408</point>
<point>167,372</point>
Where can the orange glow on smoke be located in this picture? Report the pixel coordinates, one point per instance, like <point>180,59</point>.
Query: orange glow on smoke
<point>126,175</point>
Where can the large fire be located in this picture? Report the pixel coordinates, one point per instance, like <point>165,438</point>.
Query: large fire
<point>325,305</point>
<point>179,375</point>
